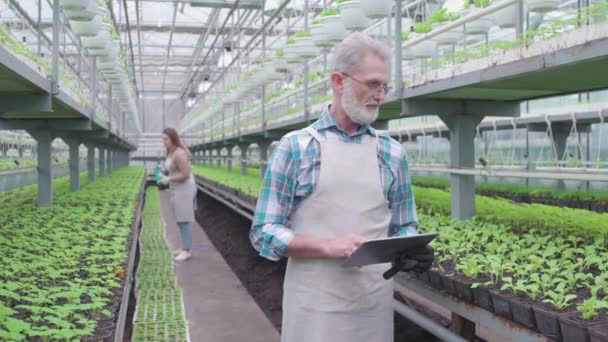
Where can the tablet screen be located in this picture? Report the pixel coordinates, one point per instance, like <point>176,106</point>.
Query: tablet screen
<point>387,249</point>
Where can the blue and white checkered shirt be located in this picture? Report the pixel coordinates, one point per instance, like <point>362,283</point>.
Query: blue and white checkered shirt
<point>294,169</point>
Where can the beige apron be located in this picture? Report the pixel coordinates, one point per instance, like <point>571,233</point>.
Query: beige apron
<point>322,301</point>
<point>183,196</point>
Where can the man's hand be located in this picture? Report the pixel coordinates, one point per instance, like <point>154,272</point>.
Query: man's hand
<point>423,258</point>
<point>342,247</point>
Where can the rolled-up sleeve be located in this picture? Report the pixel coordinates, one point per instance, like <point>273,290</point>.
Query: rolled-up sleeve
<point>269,233</point>
<point>401,201</point>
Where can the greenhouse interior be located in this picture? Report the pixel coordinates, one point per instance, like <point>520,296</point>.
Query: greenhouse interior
<point>154,156</point>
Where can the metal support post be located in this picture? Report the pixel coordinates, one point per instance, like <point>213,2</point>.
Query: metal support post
<point>45,190</point>
<point>91,162</point>
<point>398,66</point>
<point>263,156</point>
<point>55,60</point>
<point>243,148</point>
<point>229,159</point>
<point>102,161</point>
<point>218,159</point>
<point>108,161</point>
<point>74,163</point>
<point>462,155</point>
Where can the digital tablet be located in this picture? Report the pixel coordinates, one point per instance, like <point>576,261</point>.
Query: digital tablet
<point>386,250</point>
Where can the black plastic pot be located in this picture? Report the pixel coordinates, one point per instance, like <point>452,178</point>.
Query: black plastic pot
<point>447,283</point>
<point>482,298</point>
<point>572,330</point>
<point>522,314</point>
<point>598,333</point>
<point>464,291</point>
<point>547,323</point>
<point>501,304</point>
<point>424,277</point>
<point>435,279</point>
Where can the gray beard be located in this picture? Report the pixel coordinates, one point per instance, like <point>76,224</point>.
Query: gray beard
<point>358,115</point>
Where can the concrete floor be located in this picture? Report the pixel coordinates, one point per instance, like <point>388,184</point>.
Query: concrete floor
<point>218,307</point>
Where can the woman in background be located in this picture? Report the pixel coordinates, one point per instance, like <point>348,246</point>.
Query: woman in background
<point>182,188</point>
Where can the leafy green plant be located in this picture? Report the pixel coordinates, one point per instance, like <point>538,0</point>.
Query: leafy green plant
<point>303,34</point>
<point>422,27</point>
<point>316,22</point>
<point>329,11</point>
<point>481,3</point>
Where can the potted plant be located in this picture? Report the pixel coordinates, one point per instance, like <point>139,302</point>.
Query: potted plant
<point>441,16</point>
<point>542,6</point>
<point>480,25</point>
<point>280,64</point>
<point>352,15</point>
<point>427,47</point>
<point>319,37</point>
<point>406,53</point>
<point>334,29</point>
<point>506,17</point>
<point>75,4</point>
<point>88,28</point>
<point>305,46</point>
<point>377,8</point>
<point>291,51</point>
<point>99,41</point>
<point>82,14</point>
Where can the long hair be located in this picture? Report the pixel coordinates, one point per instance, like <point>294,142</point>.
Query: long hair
<point>175,140</point>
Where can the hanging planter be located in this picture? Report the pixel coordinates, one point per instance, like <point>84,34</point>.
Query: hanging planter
<point>450,37</point>
<point>377,8</point>
<point>406,53</point>
<point>480,25</point>
<point>353,17</point>
<point>506,17</point>
<point>84,14</point>
<point>88,28</point>
<point>334,29</point>
<point>99,41</point>
<point>319,37</point>
<point>291,52</point>
<point>304,45</point>
<point>75,4</point>
<point>542,6</point>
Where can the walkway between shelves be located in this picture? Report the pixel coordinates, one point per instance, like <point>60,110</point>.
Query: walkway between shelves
<point>218,307</point>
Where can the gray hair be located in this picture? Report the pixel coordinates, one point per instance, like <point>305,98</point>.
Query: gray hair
<point>354,48</point>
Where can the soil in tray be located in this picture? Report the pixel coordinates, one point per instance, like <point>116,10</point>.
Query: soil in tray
<point>263,279</point>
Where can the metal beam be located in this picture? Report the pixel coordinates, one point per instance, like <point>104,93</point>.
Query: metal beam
<point>59,124</point>
<point>417,106</point>
<point>26,103</point>
<point>210,3</point>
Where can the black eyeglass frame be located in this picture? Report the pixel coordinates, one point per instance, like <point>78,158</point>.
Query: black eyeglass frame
<point>375,87</point>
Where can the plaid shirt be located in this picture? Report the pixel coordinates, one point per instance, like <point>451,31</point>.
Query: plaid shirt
<point>292,174</point>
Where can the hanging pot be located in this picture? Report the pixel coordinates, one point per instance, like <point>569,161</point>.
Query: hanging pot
<point>319,37</point>
<point>479,26</point>
<point>450,37</point>
<point>424,49</point>
<point>542,6</point>
<point>353,17</point>
<point>100,40</point>
<point>306,48</point>
<point>81,14</point>
<point>86,28</point>
<point>334,28</point>
<point>506,17</point>
<point>377,8</point>
<point>75,4</point>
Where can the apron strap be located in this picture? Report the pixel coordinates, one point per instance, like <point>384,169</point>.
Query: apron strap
<point>315,134</point>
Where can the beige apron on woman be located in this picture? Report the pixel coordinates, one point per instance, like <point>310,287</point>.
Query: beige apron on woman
<point>183,195</point>
<point>322,301</point>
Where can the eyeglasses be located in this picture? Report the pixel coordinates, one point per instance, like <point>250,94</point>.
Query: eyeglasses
<point>372,85</point>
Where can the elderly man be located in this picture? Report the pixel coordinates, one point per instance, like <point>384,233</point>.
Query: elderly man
<point>338,183</point>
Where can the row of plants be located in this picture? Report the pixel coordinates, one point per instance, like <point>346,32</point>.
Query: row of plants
<point>26,163</point>
<point>519,252</point>
<point>64,266</point>
<point>581,199</point>
<point>159,314</point>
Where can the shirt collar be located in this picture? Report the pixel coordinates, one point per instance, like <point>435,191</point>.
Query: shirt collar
<point>327,121</point>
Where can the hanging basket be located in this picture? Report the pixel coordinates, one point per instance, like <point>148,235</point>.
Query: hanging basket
<point>479,26</point>
<point>306,48</point>
<point>84,14</point>
<point>319,37</point>
<point>334,28</point>
<point>450,37</point>
<point>86,28</point>
<point>542,6</point>
<point>100,41</point>
<point>291,54</point>
<point>353,17</point>
<point>280,65</point>
<point>75,4</point>
<point>424,49</point>
<point>506,17</point>
<point>406,54</point>
<point>377,8</point>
